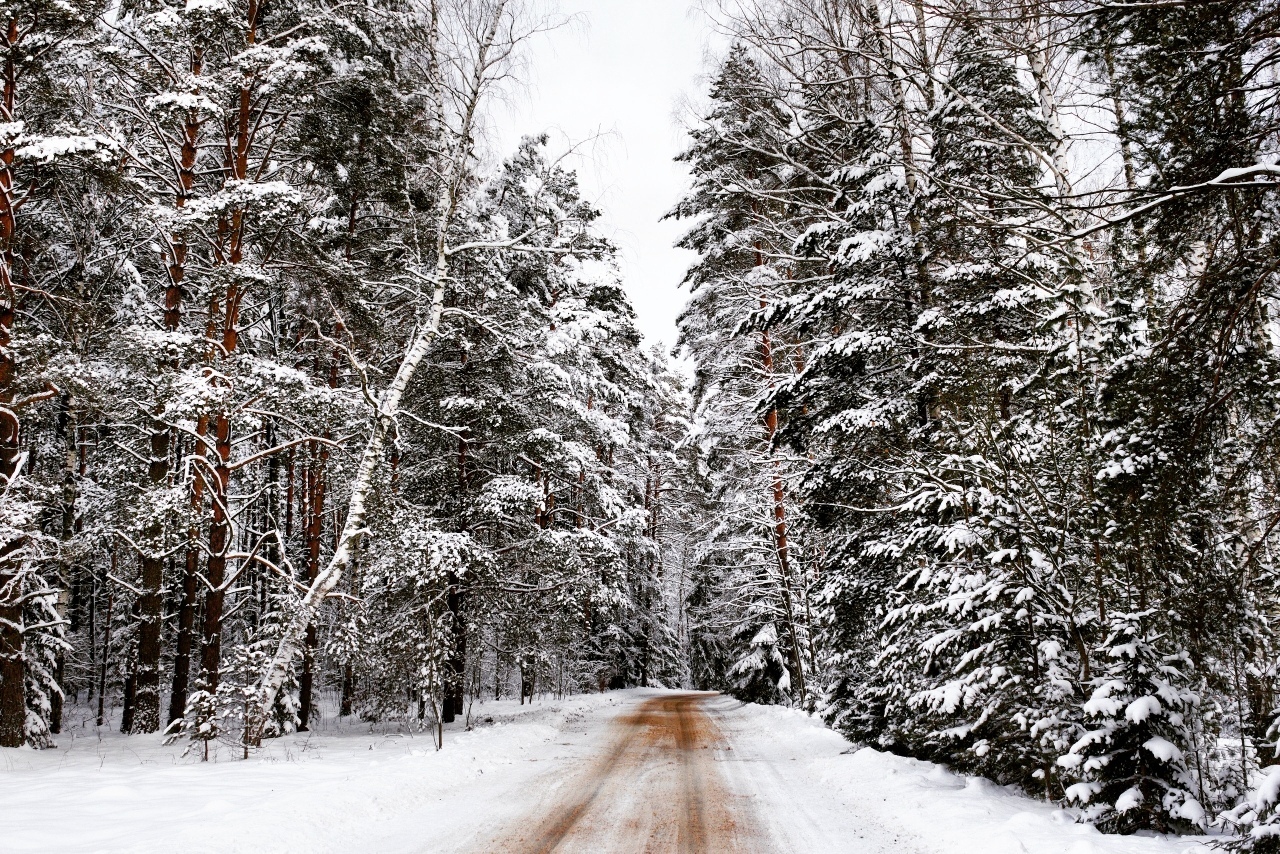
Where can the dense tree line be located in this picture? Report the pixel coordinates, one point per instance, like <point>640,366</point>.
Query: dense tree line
<point>298,398</point>
<point>302,400</point>
<point>986,405</point>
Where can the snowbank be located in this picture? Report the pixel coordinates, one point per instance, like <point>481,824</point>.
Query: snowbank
<point>923,806</point>
<point>344,789</point>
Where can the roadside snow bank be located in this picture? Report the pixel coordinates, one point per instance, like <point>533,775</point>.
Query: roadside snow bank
<point>341,790</point>
<point>933,809</point>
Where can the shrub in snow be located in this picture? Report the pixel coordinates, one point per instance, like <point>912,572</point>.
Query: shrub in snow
<point>199,724</point>
<point>761,675</point>
<point>1130,763</point>
<point>221,715</point>
<point>1258,818</point>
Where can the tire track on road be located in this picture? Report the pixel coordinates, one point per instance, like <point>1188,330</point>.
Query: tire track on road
<point>656,788</point>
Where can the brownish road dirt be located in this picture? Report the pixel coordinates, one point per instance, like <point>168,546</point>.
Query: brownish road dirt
<point>656,788</point>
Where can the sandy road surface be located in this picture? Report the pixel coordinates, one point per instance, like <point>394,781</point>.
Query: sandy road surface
<point>656,786</point>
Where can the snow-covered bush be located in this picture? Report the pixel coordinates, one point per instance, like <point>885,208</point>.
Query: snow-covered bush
<point>1131,762</point>
<point>1257,817</point>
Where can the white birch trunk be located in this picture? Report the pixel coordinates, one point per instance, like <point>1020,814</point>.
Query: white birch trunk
<point>327,580</point>
<point>370,461</point>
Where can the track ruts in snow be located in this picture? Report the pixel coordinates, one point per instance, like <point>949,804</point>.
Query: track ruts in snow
<point>656,788</point>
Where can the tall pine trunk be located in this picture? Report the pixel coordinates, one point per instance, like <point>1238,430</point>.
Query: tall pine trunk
<point>781,545</point>
<point>216,566</point>
<point>219,487</point>
<point>315,527</point>
<point>146,709</point>
<point>13,704</point>
<point>178,249</point>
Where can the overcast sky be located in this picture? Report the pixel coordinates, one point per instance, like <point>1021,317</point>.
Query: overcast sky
<point>621,73</point>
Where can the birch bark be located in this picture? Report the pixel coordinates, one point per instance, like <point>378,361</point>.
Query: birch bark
<point>460,151</point>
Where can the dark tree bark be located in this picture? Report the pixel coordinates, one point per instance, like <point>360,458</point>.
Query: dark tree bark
<point>146,675</point>
<point>185,644</point>
<point>348,689</point>
<point>13,708</point>
<point>219,542</point>
<point>455,682</point>
<point>106,646</point>
<point>13,703</point>
<point>315,526</point>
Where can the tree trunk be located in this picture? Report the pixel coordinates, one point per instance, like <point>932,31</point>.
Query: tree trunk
<point>13,707</point>
<point>146,717</point>
<point>186,637</point>
<point>454,689</point>
<point>149,636</point>
<point>106,646</point>
<point>315,525</point>
<point>216,568</point>
<point>348,690</point>
<point>190,590</point>
<point>220,524</point>
<point>68,432</point>
<point>315,530</point>
<point>781,546</point>
<point>13,702</point>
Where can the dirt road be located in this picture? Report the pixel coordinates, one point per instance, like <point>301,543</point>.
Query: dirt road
<point>657,787</point>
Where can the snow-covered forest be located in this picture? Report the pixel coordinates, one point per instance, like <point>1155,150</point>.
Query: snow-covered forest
<point>298,395</point>
<point>312,403</point>
<point>986,393</point>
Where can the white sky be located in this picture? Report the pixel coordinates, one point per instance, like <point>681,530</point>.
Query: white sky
<point>613,84</point>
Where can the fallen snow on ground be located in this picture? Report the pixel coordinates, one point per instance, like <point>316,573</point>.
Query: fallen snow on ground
<point>344,789</point>
<point>855,800</point>
<point>348,789</point>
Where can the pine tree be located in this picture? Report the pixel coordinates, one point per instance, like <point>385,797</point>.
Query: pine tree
<point>1136,774</point>
<point>742,194</point>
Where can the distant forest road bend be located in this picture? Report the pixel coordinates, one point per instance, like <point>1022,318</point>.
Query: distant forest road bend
<point>657,788</point>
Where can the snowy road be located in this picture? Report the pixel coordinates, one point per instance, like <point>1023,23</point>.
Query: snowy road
<point>676,775</point>
<point>630,771</point>
<point>656,787</point>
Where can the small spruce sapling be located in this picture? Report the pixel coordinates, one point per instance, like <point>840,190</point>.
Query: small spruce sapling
<point>1131,765</point>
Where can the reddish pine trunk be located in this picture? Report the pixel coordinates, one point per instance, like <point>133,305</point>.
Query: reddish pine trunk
<point>190,591</point>
<point>315,525</point>
<point>186,183</point>
<point>12,689</point>
<point>219,541</point>
<point>219,493</point>
<point>779,496</point>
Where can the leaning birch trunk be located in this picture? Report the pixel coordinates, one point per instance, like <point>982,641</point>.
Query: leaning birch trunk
<point>354,528</point>
<point>472,91</point>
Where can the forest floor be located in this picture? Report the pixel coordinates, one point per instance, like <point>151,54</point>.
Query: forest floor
<point>627,771</point>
